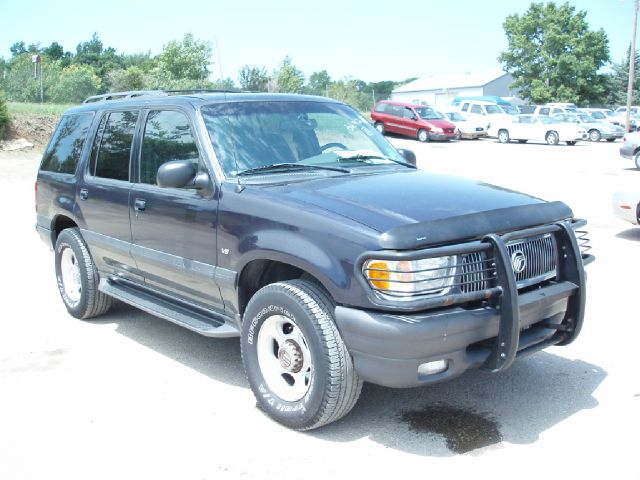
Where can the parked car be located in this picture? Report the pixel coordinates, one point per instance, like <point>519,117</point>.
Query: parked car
<point>470,129</point>
<point>290,222</point>
<point>567,106</point>
<point>483,111</point>
<point>596,130</point>
<point>626,206</point>
<point>631,148</point>
<point>537,128</point>
<point>548,110</point>
<point>417,121</point>
<point>507,106</point>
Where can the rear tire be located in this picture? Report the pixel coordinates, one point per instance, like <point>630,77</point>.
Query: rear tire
<point>552,138</point>
<point>380,127</point>
<point>77,277</point>
<point>636,160</point>
<point>611,140</point>
<point>296,362</point>
<point>423,135</point>
<point>522,141</point>
<point>572,142</point>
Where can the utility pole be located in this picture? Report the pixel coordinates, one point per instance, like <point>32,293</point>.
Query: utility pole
<point>632,66</point>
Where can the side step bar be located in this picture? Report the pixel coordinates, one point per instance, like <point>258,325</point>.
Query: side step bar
<point>201,321</point>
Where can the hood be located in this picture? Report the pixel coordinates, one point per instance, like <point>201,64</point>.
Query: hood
<point>438,122</point>
<point>411,198</point>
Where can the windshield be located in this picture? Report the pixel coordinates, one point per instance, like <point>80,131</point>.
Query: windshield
<point>427,113</point>
<point>586,118</point>
<point>493,109</point>
<point>510,109</point>
<point>455,117</point>
<point>598,115</point>
<point>247,136</point>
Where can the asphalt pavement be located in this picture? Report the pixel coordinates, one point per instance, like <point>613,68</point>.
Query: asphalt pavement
<point>131,396</point>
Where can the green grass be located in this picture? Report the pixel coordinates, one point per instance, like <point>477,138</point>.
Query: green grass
<point>37,108</point>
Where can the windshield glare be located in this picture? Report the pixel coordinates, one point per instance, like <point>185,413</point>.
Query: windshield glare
<point>249,135</point>
<point>455,117</point>
<point>493,109</point>
<point>427,113</point>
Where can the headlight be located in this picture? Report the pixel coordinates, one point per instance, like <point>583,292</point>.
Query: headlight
<point>406,279</point>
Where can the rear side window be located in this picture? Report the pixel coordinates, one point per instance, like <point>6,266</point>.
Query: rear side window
<point>65,148</point>
<point>112,146</point>
<point>167,137</point>
<point>476,109</point>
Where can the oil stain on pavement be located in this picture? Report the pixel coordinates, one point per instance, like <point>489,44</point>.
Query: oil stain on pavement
<point>463,430</point>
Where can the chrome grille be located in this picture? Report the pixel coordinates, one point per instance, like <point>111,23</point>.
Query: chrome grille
<point>477,272</point>
<point>474,273</point>
<point>540,259</point>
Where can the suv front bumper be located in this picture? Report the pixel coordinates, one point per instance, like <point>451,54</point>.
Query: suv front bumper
<point>388,347</point>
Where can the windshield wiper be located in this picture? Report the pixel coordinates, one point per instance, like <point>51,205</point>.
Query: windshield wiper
<point>363,158</point>
<point>289,166</point>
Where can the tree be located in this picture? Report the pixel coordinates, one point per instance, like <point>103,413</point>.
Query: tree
<point>288,79</point>
<point>188,59</point>
<point>4,115</point>
<point>18,48</point>
<point>618,82</point>
<point>319,82</point>
<point>54,51</point>
<point>253,78</point>
<point>553,56</point>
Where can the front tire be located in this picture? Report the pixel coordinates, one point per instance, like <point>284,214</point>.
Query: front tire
<point>296,362</point>
<point>636,160</point>
<point>423,135</point>
<point>595,135</point>
<point>571,142</point>
<point>77,277</point>
<point>380,127</point>
<point>552,138</point>
<point>503,136</point>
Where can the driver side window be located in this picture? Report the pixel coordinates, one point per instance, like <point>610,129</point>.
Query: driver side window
<point>167,137</point>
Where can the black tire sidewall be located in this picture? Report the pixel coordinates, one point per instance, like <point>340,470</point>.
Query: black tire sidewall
<point>301,413</point>
<point>68,240</point>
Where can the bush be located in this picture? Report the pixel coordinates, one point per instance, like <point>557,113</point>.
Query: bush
<point>4,115</point>
<point>75,83</point>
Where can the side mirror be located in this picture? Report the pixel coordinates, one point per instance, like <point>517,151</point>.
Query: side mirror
<point>414,117</point>
<point>408,155</point>
<point>176,174</point>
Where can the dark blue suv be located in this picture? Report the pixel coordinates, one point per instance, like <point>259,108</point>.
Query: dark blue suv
<point>290,222</point>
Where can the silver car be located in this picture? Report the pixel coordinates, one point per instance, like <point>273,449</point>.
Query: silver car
<point>596,129</point>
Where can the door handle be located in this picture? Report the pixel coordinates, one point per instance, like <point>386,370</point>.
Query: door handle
<point>139,204</point>
<point>84,194</point>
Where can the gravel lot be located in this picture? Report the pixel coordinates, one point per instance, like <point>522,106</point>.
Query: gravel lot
<point>129,396</point>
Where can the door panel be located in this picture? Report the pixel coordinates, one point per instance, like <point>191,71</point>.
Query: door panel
<point>103,195</point>
<point>173,230</point>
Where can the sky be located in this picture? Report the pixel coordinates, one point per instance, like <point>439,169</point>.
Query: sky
<point>367,40</point>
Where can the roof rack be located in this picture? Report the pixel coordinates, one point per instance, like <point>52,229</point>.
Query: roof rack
<point>152,93</point>
<point>125,95</point>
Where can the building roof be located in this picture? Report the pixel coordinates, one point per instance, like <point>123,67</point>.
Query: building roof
<point>437,82</point>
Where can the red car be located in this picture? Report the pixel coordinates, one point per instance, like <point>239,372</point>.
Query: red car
<point>419,121</point>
